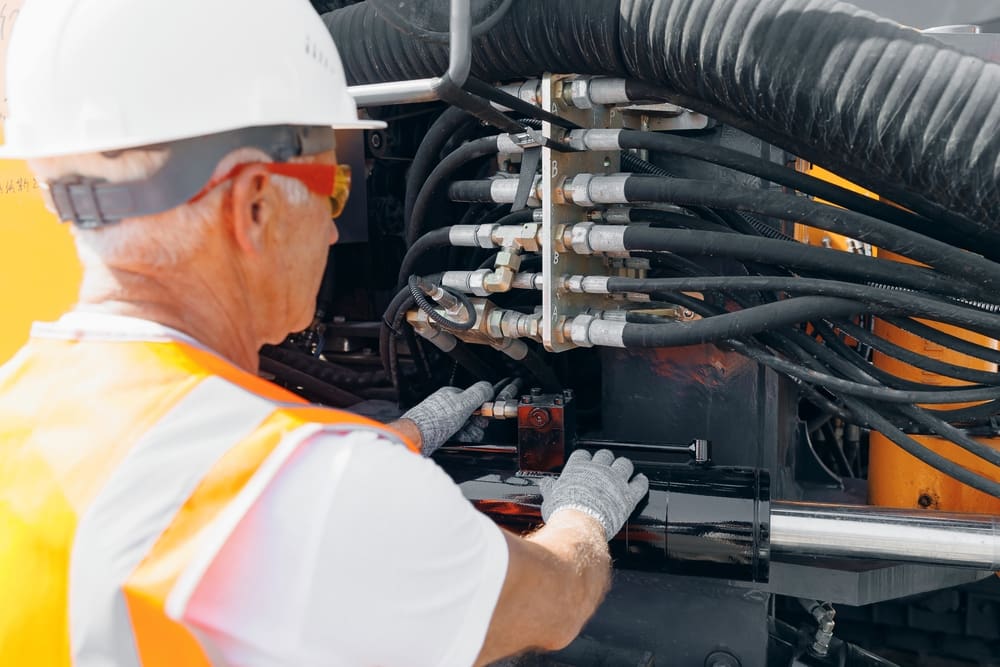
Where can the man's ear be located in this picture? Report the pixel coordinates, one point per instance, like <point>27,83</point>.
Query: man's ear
<point>254,206</point>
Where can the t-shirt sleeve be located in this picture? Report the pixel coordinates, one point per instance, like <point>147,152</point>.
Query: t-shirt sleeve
<point>358,552</point>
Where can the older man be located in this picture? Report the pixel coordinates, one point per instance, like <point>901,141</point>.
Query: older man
<point>159,503</point>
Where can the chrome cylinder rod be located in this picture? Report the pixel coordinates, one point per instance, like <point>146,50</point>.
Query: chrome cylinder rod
<point>812,529</point>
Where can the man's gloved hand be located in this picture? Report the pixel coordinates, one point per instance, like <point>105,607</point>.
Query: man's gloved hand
<point>597,486</point>
<point>445,412</point>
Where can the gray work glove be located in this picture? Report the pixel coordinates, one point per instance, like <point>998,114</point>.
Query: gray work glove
<point>597,486</point>
<point>446,412</point>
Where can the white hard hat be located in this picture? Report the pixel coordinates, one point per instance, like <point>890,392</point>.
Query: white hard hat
<point>99,75</point>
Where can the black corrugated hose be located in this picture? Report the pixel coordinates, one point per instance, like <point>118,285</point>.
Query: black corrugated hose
<point>886,106</point>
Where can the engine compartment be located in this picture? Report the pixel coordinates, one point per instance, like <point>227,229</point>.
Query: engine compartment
<point>805,368</point>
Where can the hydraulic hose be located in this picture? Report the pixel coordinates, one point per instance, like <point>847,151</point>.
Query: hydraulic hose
<point>909,302</point>
<point>946,258</point>
<point>674,144</point>
<point>462,155</point>
<point>326,371</point>
<point>737,324</point>
<point>437,238</point>
<point>875,102</point>
<point>316,388</point>
<point>670,219</point>
<point>835,348</point>
<point>429,151</point>
<point>915,359</point>
<point>878,422</point>
<point>638,189</point>
<point>857,411</point>
<point>915,202</point>
<point>424,303</point>
<point>944,339</point>
<point>866,391</point>
<point>752,224</point>
<point>792,255</point>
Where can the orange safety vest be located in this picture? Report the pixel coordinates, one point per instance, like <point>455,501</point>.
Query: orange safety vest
<point>124,466</point>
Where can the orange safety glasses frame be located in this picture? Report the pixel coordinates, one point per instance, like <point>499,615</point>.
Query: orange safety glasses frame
<point>329,180</point>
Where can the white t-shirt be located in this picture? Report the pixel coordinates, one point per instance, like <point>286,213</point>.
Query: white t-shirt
<point>358,552</point>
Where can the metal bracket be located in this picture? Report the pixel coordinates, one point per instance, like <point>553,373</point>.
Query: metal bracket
<point>558,305</point>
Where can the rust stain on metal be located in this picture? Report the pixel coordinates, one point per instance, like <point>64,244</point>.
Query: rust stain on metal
<point>705,365</point>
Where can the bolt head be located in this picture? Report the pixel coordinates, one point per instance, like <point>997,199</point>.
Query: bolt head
<point>539,417</point>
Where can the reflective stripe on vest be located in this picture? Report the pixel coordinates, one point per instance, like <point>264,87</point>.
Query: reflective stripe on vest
<point>116,495</point>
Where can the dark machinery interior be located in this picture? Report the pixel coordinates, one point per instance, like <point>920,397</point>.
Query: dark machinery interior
<point>754,246</point>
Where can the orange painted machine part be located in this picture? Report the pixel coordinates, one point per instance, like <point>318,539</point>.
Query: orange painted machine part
<point>896,479</point>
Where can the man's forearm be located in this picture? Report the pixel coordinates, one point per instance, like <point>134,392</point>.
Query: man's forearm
<point>578,540</point>
<point>556,577</point>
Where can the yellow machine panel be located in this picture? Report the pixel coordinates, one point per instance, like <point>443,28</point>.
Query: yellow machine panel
<point>39,271</point>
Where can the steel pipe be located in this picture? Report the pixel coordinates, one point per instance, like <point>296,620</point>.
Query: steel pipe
<point>839,531</point>
<point>426,90</point>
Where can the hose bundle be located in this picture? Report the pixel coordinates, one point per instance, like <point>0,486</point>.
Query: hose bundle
<point>885,106</point>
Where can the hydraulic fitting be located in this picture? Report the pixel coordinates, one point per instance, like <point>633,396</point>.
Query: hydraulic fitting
<point>441,339</point>
<point>513,347</point>
<point>501,323</point>
<point>595,140</point>
<point>589,190</point>
<point>504,190</point>
<point>588,331</point>
<point>507,263</point>
<point>587,92</point>
<point>587,238</point>
<point>505,409</point>
<point>471,282</point>
<point>521,237</point>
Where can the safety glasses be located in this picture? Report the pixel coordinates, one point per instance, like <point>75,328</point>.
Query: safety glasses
<point>328,180</point>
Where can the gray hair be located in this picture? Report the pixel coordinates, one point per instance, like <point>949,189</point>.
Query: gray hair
<point>158,241</point>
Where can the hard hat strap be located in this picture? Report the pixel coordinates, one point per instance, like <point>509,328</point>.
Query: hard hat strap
<point>91,203</point>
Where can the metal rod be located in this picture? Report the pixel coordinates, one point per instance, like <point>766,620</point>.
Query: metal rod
<point>813,529</point>
<point>425,90</point>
